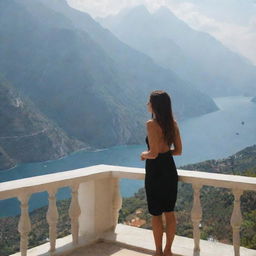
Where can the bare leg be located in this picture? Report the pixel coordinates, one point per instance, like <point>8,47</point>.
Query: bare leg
<point>170,232</point>
<point>158,229</point>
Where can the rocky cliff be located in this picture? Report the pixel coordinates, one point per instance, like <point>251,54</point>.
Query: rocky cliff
<point>26,135</point>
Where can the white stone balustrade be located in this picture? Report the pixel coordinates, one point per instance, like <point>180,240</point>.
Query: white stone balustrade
<point>196,215</point>
<point>24,226</point>
<point>74,213</point>
<point>96,201</point>
<point>52,219</point>
<point>236,220</point>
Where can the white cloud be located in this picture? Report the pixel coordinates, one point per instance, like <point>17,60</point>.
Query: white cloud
<point>239,38</point>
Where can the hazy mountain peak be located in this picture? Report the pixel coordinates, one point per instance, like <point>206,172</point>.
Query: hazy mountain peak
<point>138,10</point>
<point>165,14</point>
<point>132,14</point>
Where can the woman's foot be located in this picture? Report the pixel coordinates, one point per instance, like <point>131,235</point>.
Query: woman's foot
<point>158,253</point>
<point>167,253</point>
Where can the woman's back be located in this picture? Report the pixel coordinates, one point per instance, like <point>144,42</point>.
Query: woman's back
<point>162,145</point>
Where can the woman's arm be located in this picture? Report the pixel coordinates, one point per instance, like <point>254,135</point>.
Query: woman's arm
<point>177,142</point>
<point>152,153</point>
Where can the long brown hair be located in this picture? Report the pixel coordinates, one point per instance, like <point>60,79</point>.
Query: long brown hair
<point>162,108</point>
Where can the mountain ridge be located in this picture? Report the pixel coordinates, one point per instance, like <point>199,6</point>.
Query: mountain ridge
<point>93,84</point>
<point>195,56</point>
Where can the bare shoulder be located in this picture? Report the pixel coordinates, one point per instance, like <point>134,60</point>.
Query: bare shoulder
<point>152,124</point>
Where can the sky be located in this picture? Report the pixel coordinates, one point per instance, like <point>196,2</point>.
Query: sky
<point>233,22</point>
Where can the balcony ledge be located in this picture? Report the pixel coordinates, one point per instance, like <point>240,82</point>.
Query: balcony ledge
<point>94,209</point>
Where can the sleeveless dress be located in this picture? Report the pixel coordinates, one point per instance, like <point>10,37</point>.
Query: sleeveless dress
<point>161,183</point>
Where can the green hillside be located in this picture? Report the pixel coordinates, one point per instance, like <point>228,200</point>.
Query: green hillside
<point>241,163</point>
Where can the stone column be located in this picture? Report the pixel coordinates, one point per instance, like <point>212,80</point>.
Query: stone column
<point>100,202</point>
<point>74,213</point>
<point>24,226</point>
<point>196,216</point>
<point>236,221</point>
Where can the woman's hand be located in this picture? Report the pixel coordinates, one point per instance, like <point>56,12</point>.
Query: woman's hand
<point>142,156</point>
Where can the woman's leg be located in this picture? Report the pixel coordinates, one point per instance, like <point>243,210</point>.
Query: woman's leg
<point>158,229</point>
<point>170,232</point>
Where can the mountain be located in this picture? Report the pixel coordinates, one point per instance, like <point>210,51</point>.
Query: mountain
<point>81,76</point>
<point>195,56</point>
<point>25,134</point>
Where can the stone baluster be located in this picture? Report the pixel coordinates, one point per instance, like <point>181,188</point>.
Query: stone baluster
<point>117,201</point>
<point>236,220</point>
<point>196,216</point>
<point>74,213</point>
<point>52,219</point>
<point>24,226</point>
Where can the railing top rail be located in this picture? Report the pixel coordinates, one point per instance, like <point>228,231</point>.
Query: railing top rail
<point>59,179</point>
<point>68,178</point>
<point>196,177</point>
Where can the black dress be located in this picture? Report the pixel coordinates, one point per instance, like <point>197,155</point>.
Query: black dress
<point>161,183</point>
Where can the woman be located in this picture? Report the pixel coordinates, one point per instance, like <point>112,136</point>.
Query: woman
<point>161,179</point>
